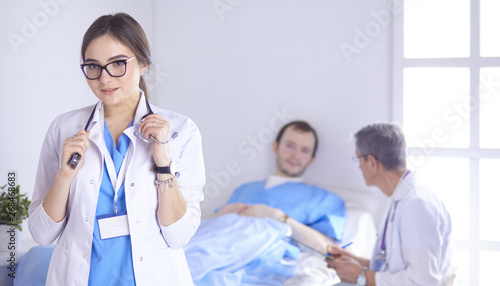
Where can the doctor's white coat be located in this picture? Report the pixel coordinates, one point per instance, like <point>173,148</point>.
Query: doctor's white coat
<point>157,253</point>
<point>418,242</point>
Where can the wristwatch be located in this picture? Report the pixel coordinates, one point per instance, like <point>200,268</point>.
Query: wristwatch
<point>170,169</point>
<point>284,219</point>
<point>361,281</point>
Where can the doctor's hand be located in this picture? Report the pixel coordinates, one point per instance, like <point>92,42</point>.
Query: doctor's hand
<point>74,144</point>
<point>347,268</point>
<point>155,125</point>
<point>336,251</point>
<point>263,211</point>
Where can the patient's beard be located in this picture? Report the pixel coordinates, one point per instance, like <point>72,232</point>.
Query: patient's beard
<point>288,173</point>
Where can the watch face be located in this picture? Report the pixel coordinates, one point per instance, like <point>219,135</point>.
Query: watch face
<point>361,280</point>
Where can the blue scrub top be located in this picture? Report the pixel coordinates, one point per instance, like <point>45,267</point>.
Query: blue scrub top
<point>111,260</point>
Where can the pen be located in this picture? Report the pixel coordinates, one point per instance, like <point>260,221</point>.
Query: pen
<point>347,245</point>
<point>329,254</point>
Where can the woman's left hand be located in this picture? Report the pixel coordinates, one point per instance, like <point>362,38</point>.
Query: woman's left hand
<point>155,125</point>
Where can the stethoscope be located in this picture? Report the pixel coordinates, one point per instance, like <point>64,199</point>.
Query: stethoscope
<point>381,255</point>
<point>75,158</point>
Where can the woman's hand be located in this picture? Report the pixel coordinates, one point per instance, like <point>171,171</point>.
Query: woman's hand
<point>56,199</point>
<point>155,125</point>
<point>74,144</point>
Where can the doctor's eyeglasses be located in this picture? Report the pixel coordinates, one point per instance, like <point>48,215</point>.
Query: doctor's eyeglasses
<point>114,69</point>
<point>356,158</point>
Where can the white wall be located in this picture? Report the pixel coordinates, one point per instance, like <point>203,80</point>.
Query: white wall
<point>234,71</point>
<point>240,69</point>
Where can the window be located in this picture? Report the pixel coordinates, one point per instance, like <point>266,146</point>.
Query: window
<point>447,97</point>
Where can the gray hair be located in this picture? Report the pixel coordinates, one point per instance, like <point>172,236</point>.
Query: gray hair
<point>385,142</point>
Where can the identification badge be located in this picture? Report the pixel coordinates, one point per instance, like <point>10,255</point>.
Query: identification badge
<point>113,225</point>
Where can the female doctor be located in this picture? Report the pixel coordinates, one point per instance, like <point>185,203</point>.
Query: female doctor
<point>124,210</point>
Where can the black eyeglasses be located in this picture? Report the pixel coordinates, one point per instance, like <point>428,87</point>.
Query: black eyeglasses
<point>114,69</point>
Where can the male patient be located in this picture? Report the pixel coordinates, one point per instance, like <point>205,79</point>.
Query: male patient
<point>316,216</point>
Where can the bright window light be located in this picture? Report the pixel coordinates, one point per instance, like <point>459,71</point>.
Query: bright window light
<point>489,196</point>
<point>489,104</point>
<point>437,28</point>
<point>488,267</point>
<point>451,126</point>
<point>436,107</point>
<point>489,23</point>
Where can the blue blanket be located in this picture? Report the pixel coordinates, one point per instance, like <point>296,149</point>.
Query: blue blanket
<point>240,250</point>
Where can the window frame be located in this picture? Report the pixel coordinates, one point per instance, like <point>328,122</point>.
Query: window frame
<point>474,153</point>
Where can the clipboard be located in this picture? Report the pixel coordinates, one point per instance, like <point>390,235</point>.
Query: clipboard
<point>310,248</point>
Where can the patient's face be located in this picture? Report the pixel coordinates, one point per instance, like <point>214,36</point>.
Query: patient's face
<point>294,152</point>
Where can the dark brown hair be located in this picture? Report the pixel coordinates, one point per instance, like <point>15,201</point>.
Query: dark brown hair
<point>302,126</point>
<point>125,29</point>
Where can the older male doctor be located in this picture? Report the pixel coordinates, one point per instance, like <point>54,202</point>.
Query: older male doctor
<point>413,245</point>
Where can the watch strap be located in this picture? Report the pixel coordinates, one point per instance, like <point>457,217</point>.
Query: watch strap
<point>162,170</point>
<point>361,281</point>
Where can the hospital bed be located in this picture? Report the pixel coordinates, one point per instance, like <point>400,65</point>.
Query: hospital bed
<point>308,269</point>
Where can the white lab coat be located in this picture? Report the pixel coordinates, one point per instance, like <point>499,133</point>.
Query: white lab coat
<point>417,240</point>
<point>157,253</point>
